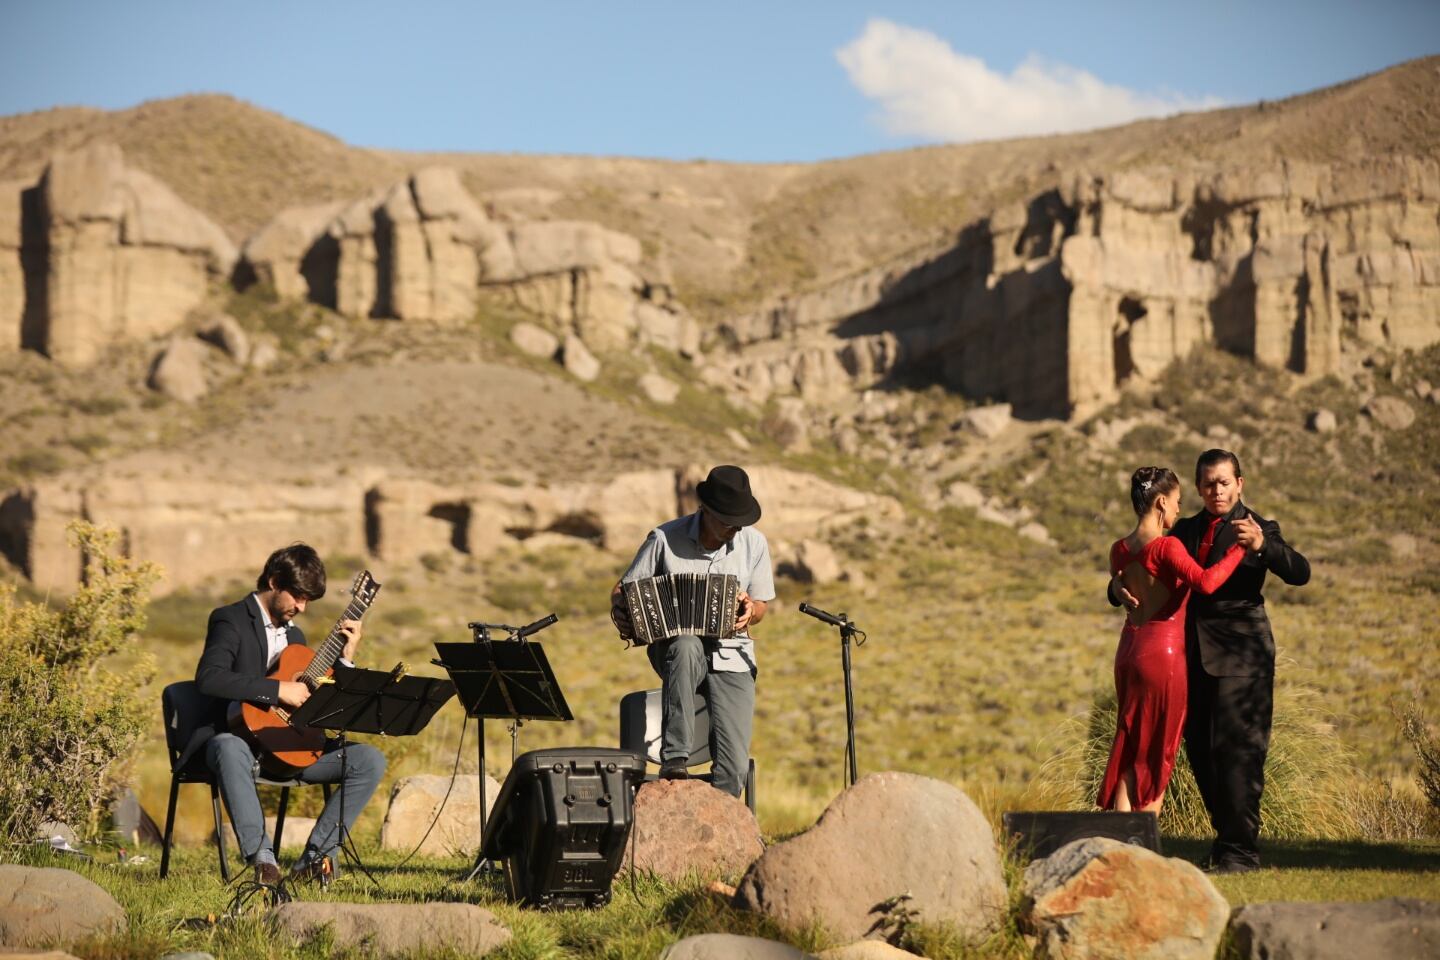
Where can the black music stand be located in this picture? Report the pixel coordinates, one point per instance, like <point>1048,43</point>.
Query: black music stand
<point>502,680</point>
<point>386,702</point>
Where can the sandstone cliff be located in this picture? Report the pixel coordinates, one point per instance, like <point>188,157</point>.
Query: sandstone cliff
<point>1053,304</point>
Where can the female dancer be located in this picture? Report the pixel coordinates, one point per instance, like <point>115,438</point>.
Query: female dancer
<point>1150,683</point>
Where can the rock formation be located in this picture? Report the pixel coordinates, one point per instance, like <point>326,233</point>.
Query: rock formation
<point>394,929</point>
<point>687,828</point>
<point>425,250</point>
<point>1054,304</point>
<point>45,905</point>
<point>105,252</point>
<point>197,528</point>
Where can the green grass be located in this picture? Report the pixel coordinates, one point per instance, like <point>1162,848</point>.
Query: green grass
<point>646,914</point>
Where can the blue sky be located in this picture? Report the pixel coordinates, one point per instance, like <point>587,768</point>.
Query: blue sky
<point>736,81</point>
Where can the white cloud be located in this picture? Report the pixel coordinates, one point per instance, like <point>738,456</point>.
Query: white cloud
<point>925,89</point>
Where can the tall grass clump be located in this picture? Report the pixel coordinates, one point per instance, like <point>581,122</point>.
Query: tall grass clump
<point>70,724</point>
<point>1309,773</point>
<point>1415,727</point>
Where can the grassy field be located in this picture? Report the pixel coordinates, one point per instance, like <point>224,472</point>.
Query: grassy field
<point>645,914</point>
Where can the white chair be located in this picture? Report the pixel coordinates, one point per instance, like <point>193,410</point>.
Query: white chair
<point>640,733</point>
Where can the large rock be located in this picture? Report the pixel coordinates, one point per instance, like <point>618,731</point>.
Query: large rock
<point>730,946</point>
<point>1392,413</point>
<point>889,834</point>
<point>414,802</point>
<point>686,828</point>
<point>1100,898</point>
<point>394,929</point>
<point>293,255</point>
<point>866,950</point>
<point>1394,928</point>
<point>533,340</point>
<point>578,359</point>
<point>179,371</point>
<point>659,389</point>
<point>127,257</point>
<point>44,905</point>
<point>816,562</point>
<point>986,422</point>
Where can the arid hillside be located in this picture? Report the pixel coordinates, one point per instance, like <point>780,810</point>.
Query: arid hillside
<point>732,233</point>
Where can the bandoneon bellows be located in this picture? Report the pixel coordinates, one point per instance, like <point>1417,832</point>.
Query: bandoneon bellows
<point>682,604</point>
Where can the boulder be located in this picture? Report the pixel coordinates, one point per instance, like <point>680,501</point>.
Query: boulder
<point>786,426</point>
<point>1394,928</point>
<point>534,340</point>
<point>413,803</point>
<point>730,946</point>
<point>1392,413</point>
<point>578,359</point>
<point>866,950</point>
<point>659,389</point>
<point>1321,421</point>
<point>1099,897</point>
<point>816,562</point>
<point>1035,531</point>
<point>986,422</point>
<point>179,370</point>
<point>44,905</point>
<point>737,439</point>
<point>686,828</point>
<point>263,355</point>
<point>285,253</point>
<point>889,834</point>
<point>962,494</point>
<point>226,333</point>
<point>394,929</point>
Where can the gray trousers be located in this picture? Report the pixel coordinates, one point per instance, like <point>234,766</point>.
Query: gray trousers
<point>231,760</point>
<point>684,667</point>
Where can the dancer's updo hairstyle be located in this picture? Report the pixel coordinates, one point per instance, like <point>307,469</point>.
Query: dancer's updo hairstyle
<point>1147,483</point>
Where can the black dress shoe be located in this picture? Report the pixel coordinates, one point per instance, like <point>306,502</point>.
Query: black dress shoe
<point>674,769</point>
<point>1226,867</point>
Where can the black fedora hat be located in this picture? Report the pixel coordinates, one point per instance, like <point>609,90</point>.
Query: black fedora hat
<point>726,494</point>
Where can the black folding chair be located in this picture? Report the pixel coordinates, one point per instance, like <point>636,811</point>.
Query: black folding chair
<point>186,709</point>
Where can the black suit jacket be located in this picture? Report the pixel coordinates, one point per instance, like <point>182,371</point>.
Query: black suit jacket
<point>232,667</point>
<point>1228,632</point>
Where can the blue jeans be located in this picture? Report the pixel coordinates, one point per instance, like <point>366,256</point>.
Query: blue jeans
<point>233,763</point>
<point>684,667</point>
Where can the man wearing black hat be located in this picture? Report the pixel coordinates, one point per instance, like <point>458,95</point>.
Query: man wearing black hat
<point>718,538</point>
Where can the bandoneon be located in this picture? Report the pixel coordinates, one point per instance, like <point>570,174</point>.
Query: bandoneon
<point>682,604</point>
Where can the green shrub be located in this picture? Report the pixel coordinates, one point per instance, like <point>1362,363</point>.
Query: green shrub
<point>1416,728</point>
<point>70,725</point>
<point>1309,774</point>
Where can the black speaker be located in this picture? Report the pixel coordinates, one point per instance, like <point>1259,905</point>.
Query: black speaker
<point>561,822</point>
<point>1034,835</point>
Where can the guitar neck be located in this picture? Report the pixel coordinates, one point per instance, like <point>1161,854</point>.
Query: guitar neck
<point>329,651</point>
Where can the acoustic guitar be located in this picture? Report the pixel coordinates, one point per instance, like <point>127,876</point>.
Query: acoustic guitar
<point>284,749</point>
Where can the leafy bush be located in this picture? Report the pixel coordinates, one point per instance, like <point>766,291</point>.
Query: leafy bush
<point>70,725</point>
<point>1309,775</point>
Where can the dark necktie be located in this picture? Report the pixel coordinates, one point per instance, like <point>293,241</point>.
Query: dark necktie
<point>1206,542</point>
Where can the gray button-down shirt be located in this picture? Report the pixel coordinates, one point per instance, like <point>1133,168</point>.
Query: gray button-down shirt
<point>674,547</point>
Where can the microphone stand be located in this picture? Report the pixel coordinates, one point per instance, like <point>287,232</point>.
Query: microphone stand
<point>848,631</point>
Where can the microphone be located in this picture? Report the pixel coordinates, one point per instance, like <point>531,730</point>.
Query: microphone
<point>819,614</point>
<point>535,627</point>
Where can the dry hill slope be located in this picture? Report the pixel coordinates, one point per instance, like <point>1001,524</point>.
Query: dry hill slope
<point>732,232</point>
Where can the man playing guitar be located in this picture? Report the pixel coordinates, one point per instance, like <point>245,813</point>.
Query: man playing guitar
<point>243,643</point>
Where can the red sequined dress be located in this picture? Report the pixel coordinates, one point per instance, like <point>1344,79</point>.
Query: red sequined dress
<point>1150,685</point>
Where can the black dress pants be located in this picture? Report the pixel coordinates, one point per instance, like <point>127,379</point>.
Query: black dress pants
<point>1227,735</point>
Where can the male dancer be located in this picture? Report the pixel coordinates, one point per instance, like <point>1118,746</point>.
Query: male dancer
<point>1230,655</point>
<point>242,645</point>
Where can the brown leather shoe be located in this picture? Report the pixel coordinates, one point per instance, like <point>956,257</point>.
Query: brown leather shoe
<point>320,871</point>
<point>267,874</point>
